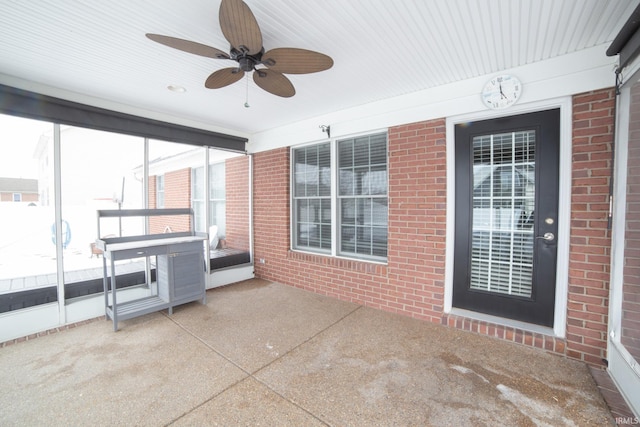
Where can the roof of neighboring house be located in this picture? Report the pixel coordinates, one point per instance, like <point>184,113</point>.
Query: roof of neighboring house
<point>19,185</point>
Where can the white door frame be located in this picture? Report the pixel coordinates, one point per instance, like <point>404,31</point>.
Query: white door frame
<point>564,213</point>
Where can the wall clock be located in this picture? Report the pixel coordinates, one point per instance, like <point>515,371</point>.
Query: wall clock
<point>501,91</point>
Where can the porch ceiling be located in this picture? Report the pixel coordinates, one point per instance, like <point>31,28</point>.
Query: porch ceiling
<point>96,52</point>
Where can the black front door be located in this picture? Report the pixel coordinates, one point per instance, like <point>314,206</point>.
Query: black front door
<point>507,175</point>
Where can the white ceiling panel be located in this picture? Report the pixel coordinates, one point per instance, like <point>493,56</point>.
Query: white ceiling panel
<point>381,49</point>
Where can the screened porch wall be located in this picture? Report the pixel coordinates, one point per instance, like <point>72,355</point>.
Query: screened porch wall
<point>630,333</point>
<point>178,194</point>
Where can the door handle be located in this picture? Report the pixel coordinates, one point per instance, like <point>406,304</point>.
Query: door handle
<point>548,236</point>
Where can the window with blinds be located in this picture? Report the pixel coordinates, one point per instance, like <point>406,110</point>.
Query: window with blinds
<point>312,197</point>
<point>362,196</point>
<point>349,202</point>
<point>503,213</point>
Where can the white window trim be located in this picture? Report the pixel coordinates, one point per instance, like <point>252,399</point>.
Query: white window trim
<point>335,220</point>
<point>564,213</point>
<point>292,204</point>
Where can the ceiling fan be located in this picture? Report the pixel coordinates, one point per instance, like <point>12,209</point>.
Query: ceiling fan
<point>241,30</point>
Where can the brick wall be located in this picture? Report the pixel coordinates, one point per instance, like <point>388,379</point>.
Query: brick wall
<point>271,215</point>
<point>417,220</point>
<point>237,203</point>
<point>177,194</point>
<point>590,241</point>
<point>412,282</point>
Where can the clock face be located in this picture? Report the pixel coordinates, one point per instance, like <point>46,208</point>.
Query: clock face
<point>501,91</point>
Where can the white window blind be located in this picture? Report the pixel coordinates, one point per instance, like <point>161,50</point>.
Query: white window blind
<point>503,213</point>
<point>312,197</point>
<point>363,203</point>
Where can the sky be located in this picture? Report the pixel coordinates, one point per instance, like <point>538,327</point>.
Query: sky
<point>18,140</point>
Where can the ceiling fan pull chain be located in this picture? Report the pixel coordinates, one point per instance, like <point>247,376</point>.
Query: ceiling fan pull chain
<point>246,103</point>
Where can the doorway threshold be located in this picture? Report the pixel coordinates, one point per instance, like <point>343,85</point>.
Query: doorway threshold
<point>502,321</point>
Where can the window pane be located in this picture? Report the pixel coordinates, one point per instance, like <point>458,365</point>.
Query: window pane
<point>363,166</point>
<point>217,182</point>
<point>345,154</point>
<point>160,191</point>
<point>198,213</point>
<point>348,211</point>
<point>376,180</point>
<point>312,196</point>
<point>314,228</point>
<point>324,165</point>
<point>95,175</point>
<point>362,185</point>
<point>197,197</point>
<point>175,163</point>
<point>197,183</point>
<point>347,182</point>
<point>27,251</point>
<point>378,152</point>
<point>232,178</point>
<point>503,198</point>
<point>361,152</point>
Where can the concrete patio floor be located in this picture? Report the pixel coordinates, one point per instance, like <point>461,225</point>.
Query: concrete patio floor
<point>261,353</point>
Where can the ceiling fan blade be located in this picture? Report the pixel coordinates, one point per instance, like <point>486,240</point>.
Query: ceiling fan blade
<point>224,77</point>
<point>274,82</point>
<point>239,26</point>
<point>291,60</point>
<point>188,46</point>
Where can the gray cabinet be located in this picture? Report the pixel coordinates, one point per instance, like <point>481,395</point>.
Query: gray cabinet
<point>184,270</point>
<point>180,274</point>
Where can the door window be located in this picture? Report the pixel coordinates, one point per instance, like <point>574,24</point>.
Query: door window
<point>503,198</point>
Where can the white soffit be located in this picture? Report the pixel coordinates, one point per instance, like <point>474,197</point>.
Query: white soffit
<point>95,51</point>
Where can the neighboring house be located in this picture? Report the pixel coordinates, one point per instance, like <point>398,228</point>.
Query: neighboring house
<point>19,190</point>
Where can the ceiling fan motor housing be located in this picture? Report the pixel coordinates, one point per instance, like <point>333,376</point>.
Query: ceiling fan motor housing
<point>245,61</point>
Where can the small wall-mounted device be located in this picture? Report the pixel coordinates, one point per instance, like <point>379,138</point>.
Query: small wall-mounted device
<point>326,129</point>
